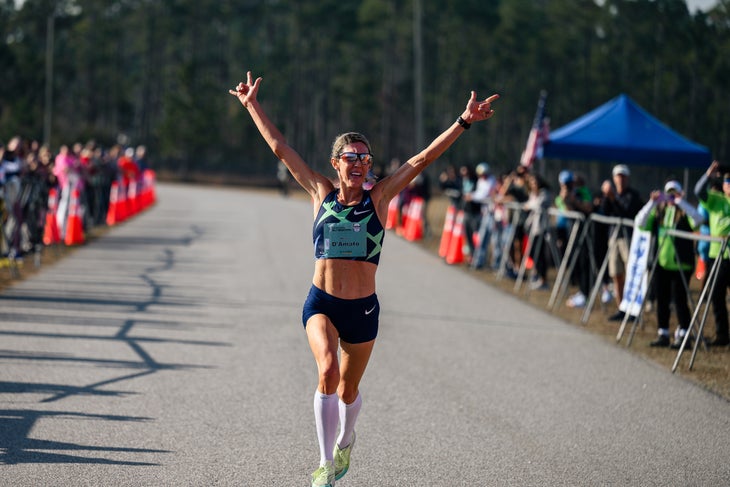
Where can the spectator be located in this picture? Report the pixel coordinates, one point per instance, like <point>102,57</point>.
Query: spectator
<point>282,176</point>
<point>140,158</point>
<point>66,170</point>
<point>11,168</point>
<point>622,201</point>
<point>514,189</point>
<point>98,190</point>
<point>35,199</point>
<point>88,197</point>
<point>675,257</point>
<point>128,169</point>
<point>500,222</point>
<point>574,196</point>
<point>450,186</point>
<point>472,211</point>
<point>483,195</point>
<point>32,170</point>
<point>717,204</point>
<point>536,206</point>
<point>45,158</point>
<point>563,224</point>
<point>81,159</point>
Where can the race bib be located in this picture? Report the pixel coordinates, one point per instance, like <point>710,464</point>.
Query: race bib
<point>345,239</point>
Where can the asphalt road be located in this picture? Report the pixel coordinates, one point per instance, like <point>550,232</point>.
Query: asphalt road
<point>170,352</point>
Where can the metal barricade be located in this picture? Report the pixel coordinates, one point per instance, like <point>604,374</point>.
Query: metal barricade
<point>486,231</point>
<point>544,225</point>
<point>705,295</point>
<point>538,225</point>
<point>515,210</point>
<point>568,260</point>
<point>704,298</point>
<point>620,225</point>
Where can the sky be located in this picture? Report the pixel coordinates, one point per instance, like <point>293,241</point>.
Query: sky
<point>693,5</point>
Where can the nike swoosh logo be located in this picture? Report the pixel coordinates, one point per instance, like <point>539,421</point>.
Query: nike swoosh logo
<point>356,213</point>
<point>368,311</point>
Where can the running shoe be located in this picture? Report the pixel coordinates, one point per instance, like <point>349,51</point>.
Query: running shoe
<point>577,300</point>
<point>677,343</point>
<point>342,458</point>
<point>538,284</point>
<point>606,296</point>
<point>324,476</point>
<point>617,316</point>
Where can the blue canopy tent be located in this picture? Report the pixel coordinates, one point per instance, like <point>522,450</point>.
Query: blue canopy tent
<point>622,131</point>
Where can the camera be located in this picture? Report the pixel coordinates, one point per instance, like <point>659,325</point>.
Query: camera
<point>667,197</point>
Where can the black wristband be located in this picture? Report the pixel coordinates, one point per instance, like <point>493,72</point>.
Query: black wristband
<point>464,124</point>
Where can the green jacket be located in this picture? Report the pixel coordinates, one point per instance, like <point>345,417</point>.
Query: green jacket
<point>718,207</point>
<point>673,254</point>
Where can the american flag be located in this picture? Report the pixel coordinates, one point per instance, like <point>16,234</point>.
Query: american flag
<point>538,134</point>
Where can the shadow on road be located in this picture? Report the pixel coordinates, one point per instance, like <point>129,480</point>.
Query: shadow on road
<point>95,306</point>
<point>16,446</point>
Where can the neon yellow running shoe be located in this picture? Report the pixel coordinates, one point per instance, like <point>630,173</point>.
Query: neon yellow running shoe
<point>342,458</point>
<point>324,476</point>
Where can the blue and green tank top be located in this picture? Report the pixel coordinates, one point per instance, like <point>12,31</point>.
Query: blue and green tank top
<point>348,232</point>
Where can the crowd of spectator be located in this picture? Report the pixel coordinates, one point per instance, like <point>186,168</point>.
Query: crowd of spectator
<point>507,221</point>
<point>30,171</point>
<point>518,217</point>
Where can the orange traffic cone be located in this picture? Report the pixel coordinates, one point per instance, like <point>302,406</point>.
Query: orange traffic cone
<point>133,198</point>
<point>112,214</point>
<point>149,187</point>
<point>51,234</point>
<point>446,232</point>
<point>74,228</point>
<point>392,220</point>
<point>414,224</point>
<point>701,269</point>
<point>529,263</point>
<point>455,254</point>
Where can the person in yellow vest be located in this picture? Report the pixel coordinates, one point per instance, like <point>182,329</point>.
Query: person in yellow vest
<point>717,204</point>
<point>668,210</point>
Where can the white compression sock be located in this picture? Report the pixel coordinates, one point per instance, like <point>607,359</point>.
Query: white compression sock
<point>326,417</point>
<point>348,417</point>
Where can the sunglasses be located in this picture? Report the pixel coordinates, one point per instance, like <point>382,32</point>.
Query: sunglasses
<point>353,157</point>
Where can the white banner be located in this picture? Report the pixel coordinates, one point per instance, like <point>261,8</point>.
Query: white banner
<point>636,273</point>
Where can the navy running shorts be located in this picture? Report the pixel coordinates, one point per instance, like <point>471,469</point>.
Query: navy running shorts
<point>356,320</point>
